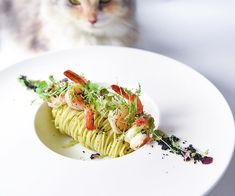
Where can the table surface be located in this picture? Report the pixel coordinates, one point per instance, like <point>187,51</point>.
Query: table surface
<point>199,33</point>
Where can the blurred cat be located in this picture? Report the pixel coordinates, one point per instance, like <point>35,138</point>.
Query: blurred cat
<point>59,24</point>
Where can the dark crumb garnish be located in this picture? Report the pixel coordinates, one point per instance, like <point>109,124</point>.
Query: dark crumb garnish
<point>94,156</point>
<point>189,153</point>
<point>174,138</point>
<point>27,83</point>
<point>165,143</point>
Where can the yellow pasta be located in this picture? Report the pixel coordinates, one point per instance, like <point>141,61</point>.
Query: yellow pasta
<point>102,140</point>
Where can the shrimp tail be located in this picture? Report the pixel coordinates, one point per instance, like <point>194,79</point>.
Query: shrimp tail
<point>129,96</point>
<point>75,77</point>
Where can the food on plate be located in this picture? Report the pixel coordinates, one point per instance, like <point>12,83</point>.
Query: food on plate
<point>108,120</point>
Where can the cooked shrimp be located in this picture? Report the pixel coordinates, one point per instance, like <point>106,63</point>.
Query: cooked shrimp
<point>130,97</point>
<point>73,95</point>
<point>56,98</point>
<point>136,138</point>
<point>139,140</point>
<point>75,77</point>
<point>74,99</point>
<point>89,116</point>
<point>117,119</point>
<point>136,135</point>
<point>56,101</point>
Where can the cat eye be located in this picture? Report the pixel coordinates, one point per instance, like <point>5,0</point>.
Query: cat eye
<point>75,2</point>
<point>104,1</point>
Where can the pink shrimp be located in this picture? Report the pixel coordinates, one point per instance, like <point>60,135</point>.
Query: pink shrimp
<point>130,97</point>
<point>74,99</point>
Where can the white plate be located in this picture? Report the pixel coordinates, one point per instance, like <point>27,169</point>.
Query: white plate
<point>191,108</point>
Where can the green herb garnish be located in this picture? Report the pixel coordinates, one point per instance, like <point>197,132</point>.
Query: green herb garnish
<point>45,89</point>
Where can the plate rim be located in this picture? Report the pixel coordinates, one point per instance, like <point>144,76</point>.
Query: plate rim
<point>179,63</point>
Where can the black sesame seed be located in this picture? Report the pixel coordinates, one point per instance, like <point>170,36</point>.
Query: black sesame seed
<point>197,157</point>
<point>94,156</point>
<point>165,147</point>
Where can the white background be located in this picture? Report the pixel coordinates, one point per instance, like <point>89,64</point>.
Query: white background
<point>199,33</point>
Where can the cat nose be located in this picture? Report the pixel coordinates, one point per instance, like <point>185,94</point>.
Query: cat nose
<point>92,17</point>
<point>92,20</point>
